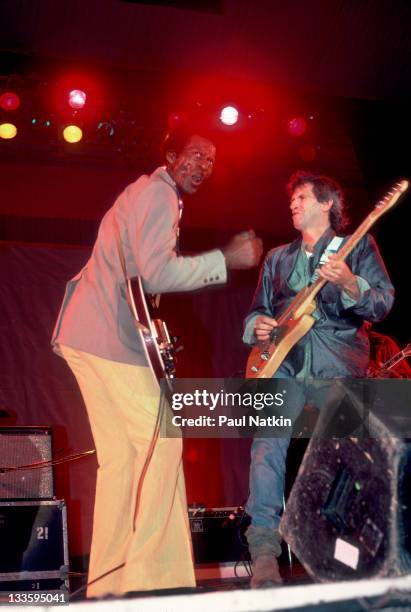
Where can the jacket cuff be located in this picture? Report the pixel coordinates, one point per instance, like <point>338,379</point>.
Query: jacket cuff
<point>347,301</point>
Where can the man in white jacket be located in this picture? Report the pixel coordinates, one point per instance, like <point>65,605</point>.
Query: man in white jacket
<point>95,333</point>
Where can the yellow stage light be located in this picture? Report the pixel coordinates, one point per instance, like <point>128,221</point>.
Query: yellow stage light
<point>72,133</point>
<point>8,131</point>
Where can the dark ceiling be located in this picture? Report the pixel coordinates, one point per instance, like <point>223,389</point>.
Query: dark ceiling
<point>351,48</point>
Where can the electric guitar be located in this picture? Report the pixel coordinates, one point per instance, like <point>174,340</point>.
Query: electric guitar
<point>159,346</point>
<point>387,366</point>
<point>297,320</point>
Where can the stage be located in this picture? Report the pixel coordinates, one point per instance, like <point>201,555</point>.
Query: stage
<point>381,594</point>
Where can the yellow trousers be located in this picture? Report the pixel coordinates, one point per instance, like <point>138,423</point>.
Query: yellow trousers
<point>154,552</point>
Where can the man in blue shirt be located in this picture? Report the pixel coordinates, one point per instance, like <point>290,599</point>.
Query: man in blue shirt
<point>358,289</point>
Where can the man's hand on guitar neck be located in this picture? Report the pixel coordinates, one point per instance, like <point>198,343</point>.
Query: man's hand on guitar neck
<point>263,328</point>
<point>339,273</point>
<point>243,251</point>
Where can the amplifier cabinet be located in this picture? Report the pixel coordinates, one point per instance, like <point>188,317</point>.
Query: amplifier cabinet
<point>33,546</point>
<point>21,446</point>
<point>218,534</point>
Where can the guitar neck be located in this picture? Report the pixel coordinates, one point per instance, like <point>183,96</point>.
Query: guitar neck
<point>393,361</point>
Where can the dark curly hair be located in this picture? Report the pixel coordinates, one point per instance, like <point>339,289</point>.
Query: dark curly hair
<point>177,138</point>
<point>324,189</point>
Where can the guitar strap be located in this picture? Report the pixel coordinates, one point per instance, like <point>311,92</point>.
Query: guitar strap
<point>124,268</point>
<point>332,247</point>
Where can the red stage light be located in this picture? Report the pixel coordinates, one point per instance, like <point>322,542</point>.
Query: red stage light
<point>229,115</point>
<point>77,98</point>
<point>9,101</point>
<point>296,126</point>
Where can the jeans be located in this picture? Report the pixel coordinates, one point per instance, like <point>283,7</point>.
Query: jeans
<point>268,454</point>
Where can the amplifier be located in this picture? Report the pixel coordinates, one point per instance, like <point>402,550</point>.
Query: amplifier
<point>33,544</point>
<point>218,534</point>
<point>26,446</point>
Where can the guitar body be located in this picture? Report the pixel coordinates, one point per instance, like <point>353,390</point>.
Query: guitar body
<point>264,362</point>
<point>157,345</point>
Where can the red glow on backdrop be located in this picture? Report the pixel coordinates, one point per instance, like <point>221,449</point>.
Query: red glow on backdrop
<point>229,115</point>
<point>191,454</point>
<point>175,119</point>
<point>77,98</point>
<point>296,126</point>
<point>307,152</point>
<point>9,101</point>
<point>247,131</point>
<point>78,92</point>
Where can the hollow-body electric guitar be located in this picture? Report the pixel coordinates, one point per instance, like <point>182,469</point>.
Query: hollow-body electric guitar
<point>159,346</point>
<point>297,320</point>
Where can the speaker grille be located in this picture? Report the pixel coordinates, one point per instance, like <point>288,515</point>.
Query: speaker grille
<point>21,446</point>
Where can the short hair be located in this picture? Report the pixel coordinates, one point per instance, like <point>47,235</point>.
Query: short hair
<point>324,189</point>
<point>177,138</point>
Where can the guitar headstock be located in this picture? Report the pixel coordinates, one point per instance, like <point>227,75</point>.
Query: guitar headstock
<point>389,199</point>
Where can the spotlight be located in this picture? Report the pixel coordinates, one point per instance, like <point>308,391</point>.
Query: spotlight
<point>77,98</point>
<point>40,123</point>
<point>229,115</point>
<point>296,126</point>
<point>7,131</point>
<point>105,130</point>
<point>72,133</point>
<point>9,101</point>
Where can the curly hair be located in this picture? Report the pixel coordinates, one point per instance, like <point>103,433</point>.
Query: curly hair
<point>324,189</point>
<point>177,138</point>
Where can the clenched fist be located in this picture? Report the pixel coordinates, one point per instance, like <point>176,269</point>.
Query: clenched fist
<point>243,251</point>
